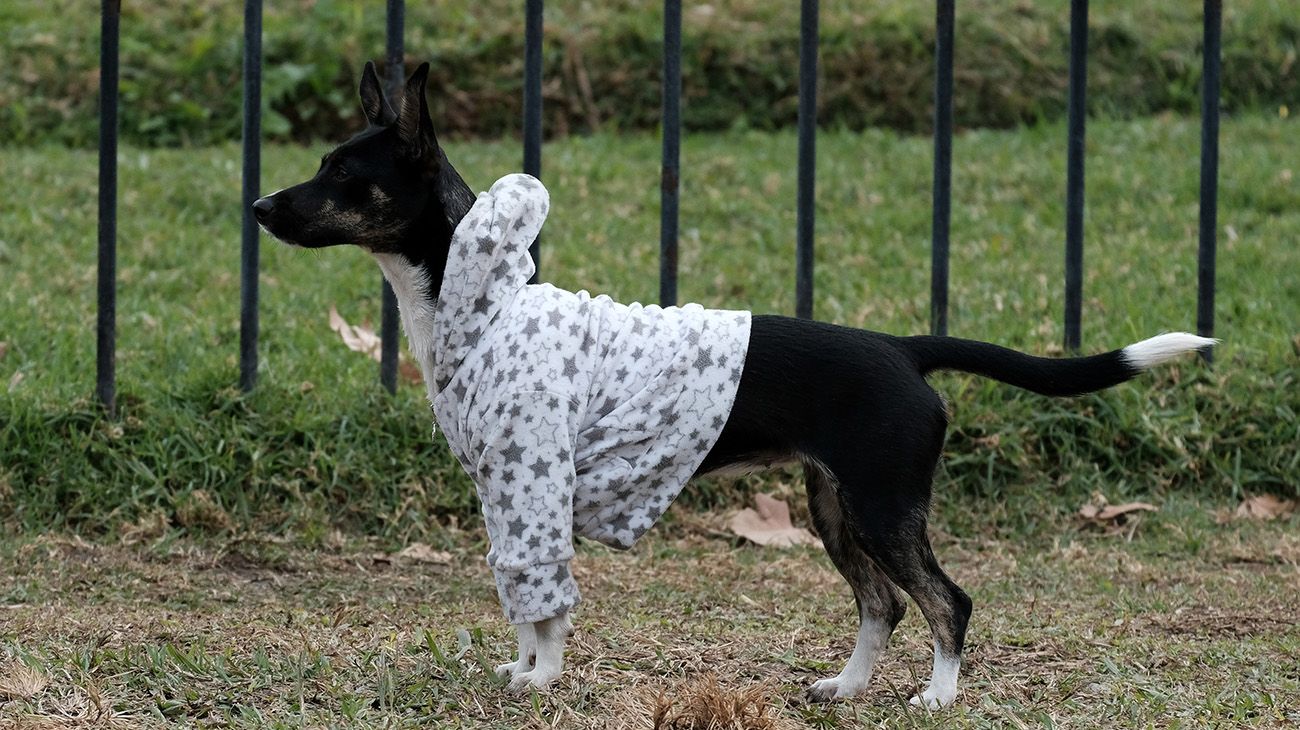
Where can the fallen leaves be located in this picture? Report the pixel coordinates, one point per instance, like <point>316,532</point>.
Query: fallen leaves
<point>768,523</point>
<point>361,338</point>
<point>416,552</point>
<point>1114,519</point>
<point>357,338</point>
<point>1107,513</point>
<point>1265,507</point>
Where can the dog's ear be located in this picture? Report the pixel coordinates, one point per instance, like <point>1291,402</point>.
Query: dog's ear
<point>414,125</point>
<point>373,102</point>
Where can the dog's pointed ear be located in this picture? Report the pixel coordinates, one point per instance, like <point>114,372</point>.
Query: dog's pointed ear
<point>373,102</point>
<point>414,125</point>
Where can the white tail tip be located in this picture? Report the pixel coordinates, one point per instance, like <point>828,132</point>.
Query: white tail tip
<point>1163,348</point>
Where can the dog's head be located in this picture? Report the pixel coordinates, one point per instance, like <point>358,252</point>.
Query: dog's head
<point>389,189</point>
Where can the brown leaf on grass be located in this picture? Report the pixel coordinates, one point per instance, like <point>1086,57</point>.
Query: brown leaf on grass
<point>769,524</point>
<point>418,552</point>
<point>21,682</point>
<point>1265,507</point>
<point>1107,513</point>
<point>362,339</point>
<point>409,371</point>
<point>357,338</point>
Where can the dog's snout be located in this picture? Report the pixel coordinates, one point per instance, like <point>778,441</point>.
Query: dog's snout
<point>262,208</point>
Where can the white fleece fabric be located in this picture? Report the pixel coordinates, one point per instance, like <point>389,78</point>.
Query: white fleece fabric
<point>573,414</point>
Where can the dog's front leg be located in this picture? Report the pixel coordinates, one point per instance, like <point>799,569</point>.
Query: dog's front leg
<point>549,636</point>
<point>527,653</point>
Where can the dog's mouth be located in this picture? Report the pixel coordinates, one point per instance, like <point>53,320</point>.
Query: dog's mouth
<point>284,224</point>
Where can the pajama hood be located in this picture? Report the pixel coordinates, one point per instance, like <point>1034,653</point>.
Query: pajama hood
<point>573,414</point>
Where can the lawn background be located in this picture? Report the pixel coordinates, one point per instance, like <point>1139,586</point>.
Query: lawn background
<point>214,558</point>
<point>319,445</point>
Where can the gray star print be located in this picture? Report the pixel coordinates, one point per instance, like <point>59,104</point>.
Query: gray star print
<point>574,414</point>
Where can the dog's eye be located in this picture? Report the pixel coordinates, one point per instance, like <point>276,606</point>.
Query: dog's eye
<point>340,173</point>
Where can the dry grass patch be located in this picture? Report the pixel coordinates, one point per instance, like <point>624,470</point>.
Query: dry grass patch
<point>1184,622</point>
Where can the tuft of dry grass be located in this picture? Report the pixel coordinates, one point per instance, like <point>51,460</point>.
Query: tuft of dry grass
<point>21,682</point>
<point>704,704</point>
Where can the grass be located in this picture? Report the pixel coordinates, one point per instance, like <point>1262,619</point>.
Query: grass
<point>1175,621</point>
<point>239,570</point>
<point>602,64</point>
<point>319,446</point>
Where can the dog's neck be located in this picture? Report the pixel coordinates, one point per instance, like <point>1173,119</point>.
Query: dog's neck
<point>415,269</point>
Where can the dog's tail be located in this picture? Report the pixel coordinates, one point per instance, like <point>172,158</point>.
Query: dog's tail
<point>1045,375</point>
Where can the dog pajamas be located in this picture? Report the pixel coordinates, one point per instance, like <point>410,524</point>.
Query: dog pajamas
<point>573,414</point>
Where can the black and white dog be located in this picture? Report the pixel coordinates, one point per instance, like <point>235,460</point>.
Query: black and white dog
<point>547,398</point>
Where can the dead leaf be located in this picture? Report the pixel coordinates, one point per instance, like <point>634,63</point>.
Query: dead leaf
<point>418,552</point>
<point>1265,507</point>
<point>409,371</point>
<point>357,338</point>
<point>15,380</point>
<point>769,524</point>
<point>1105,513</point>
<point>360,338</point>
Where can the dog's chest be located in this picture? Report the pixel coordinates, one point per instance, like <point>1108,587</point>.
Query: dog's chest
<point>415,301</point>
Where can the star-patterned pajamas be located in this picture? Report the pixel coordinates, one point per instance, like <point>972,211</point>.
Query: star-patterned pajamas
<point>572,413</point>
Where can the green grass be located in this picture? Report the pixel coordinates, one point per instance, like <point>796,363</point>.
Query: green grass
<point>1174,621</point>
<point>240,572</point>
<point>318,445</point>
<point>602,63</point>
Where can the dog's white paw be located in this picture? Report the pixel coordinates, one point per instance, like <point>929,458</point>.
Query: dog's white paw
<point>537,679</point>
<point>510,669</point>
<point>932,700</point>
<point>834,688</point>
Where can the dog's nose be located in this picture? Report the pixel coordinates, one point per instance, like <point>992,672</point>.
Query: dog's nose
<point>262,208</point>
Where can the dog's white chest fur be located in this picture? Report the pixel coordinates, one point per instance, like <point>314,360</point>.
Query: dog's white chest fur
<point>411,285</point>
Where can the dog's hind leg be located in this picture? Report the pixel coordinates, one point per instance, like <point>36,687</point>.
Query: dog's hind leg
<point>885,492</point>
<point>880,605</point>
<point>911,563</point>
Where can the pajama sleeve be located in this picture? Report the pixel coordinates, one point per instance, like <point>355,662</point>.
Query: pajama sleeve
<point>527,479</point>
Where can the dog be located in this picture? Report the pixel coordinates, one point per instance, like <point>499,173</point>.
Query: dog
<point>551,402</point>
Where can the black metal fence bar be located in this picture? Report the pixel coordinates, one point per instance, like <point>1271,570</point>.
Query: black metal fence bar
<point>1074,172</point>
<point>941,202</point>
<point>669,177</point>
<point>804,222</point>
<point>388,347</point>
<point>106,325</point>
<point>533,107</point>
<point>252,181</point>
<point>1209,173</point>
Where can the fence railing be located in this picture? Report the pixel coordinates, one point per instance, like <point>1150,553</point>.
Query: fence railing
<point>945,18</point>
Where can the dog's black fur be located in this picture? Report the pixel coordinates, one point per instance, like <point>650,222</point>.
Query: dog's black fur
<point>852,406</point>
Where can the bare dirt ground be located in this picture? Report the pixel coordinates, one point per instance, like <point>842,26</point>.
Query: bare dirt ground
<point>1181,623</point>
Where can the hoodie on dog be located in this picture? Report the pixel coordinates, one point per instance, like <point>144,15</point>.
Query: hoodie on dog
<point>573,414</point>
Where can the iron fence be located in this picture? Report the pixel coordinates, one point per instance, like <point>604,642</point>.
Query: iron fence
<point>945,17</point>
